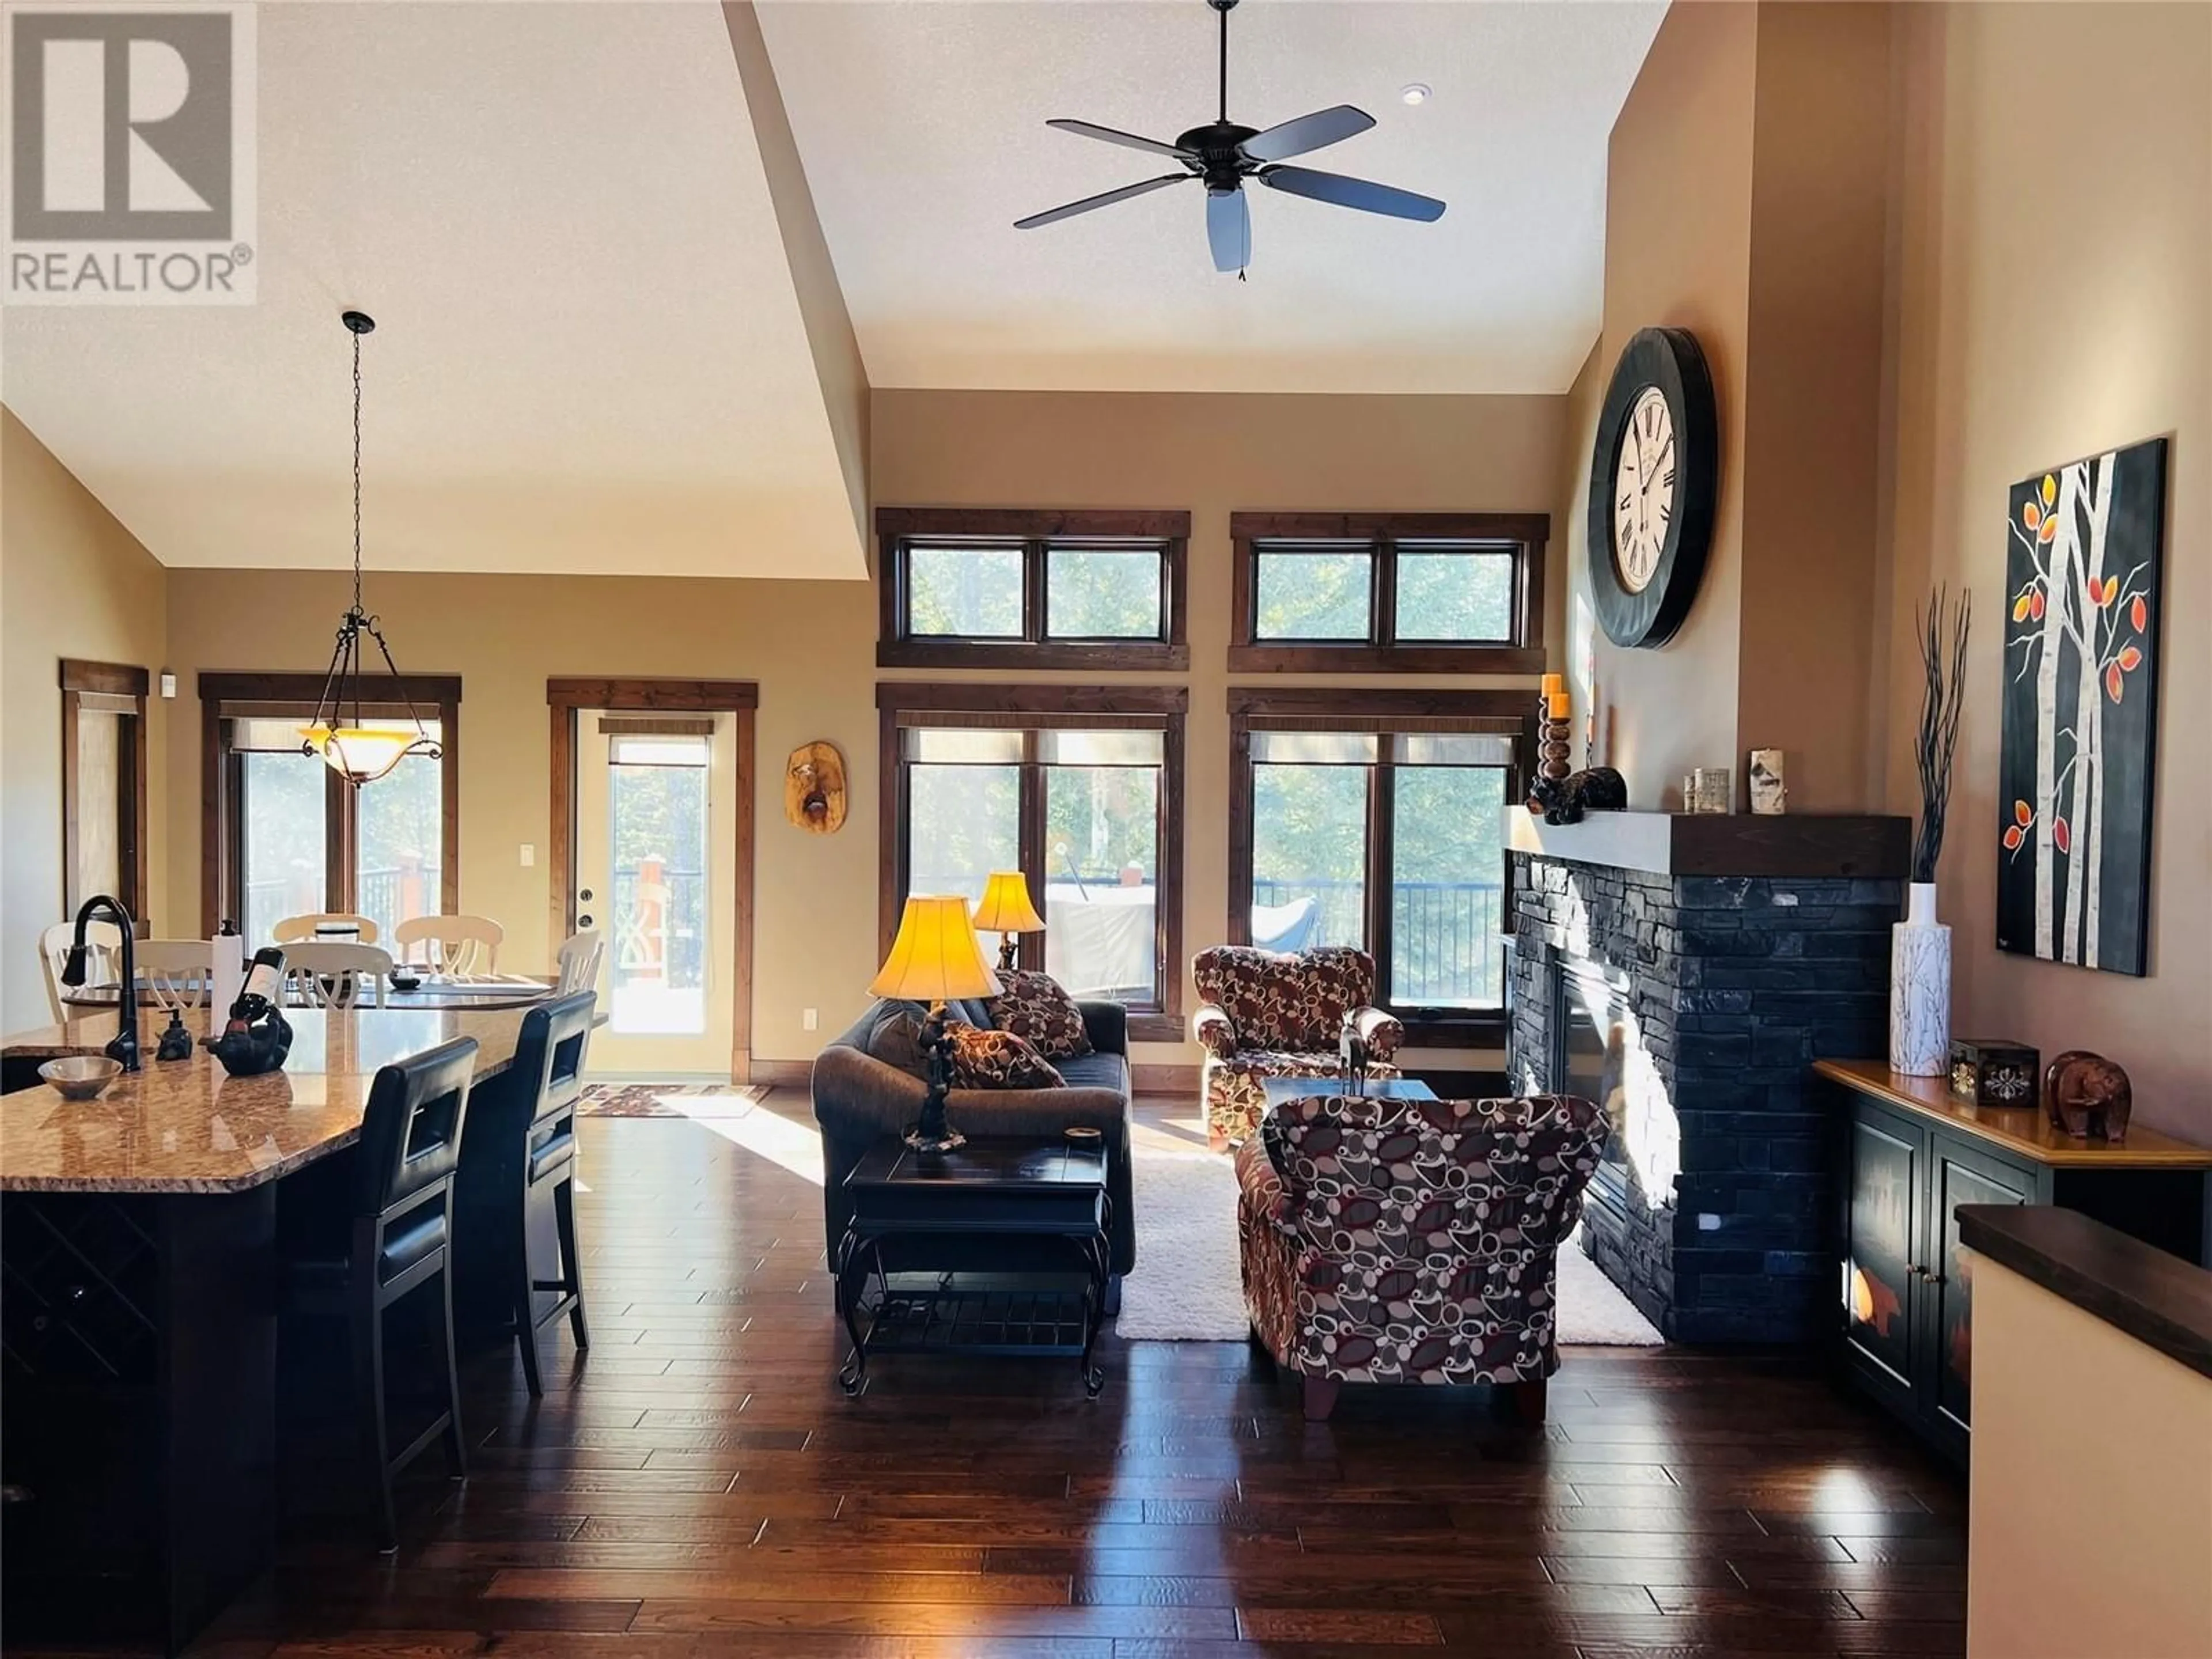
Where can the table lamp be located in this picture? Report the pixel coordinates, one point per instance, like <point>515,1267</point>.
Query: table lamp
<point>936,956</point>
<point>1006,910</point>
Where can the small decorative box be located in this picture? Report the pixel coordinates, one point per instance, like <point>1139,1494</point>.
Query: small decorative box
<point>1993,1073</point>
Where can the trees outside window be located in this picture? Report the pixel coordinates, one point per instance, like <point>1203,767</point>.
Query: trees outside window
<point>1077,787</point>
<point>977,588</point>
<point>283,835</point>
<point>1416,593</point>
<point>1377,819</point>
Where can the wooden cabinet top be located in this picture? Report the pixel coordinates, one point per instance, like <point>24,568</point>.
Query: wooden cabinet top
<point>2023,1131</point>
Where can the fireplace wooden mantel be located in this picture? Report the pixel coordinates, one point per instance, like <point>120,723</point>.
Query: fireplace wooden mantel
<point>1801,845</point>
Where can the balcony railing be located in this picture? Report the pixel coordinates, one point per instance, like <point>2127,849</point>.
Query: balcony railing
<point>1445,944</point>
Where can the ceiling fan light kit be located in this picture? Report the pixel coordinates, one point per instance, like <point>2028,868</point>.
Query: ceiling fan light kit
<point>1223,156</point>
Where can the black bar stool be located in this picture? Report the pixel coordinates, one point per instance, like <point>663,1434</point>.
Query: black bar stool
<point>399,1239</point>
<point>518,1180</point>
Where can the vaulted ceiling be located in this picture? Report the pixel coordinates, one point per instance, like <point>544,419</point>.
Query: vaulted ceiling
<point>609,325</point>
<point>922,124</point>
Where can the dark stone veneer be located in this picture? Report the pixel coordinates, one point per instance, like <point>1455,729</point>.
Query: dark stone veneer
<point>1735,986</point>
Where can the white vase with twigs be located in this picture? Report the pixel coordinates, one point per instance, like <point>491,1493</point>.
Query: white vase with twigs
<point>1920,946</point>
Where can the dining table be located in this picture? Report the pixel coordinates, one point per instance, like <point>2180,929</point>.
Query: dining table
<point>138,1330</point>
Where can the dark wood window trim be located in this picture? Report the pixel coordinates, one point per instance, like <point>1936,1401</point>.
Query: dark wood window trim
<point>225,697</point>
<point>1329,708</point>
<point>106,688</point>
<point>1036,531</point>
<point>1525,533</point>
<point>564,697</point>
<point>1164,709</point>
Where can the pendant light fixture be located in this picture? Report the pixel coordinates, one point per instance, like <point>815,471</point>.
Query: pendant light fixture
<point>359,750</point>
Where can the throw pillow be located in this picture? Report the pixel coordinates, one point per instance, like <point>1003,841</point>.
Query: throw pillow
<point>896,1041</point>
<point>1033,1005</point>
<point>985,1058</point>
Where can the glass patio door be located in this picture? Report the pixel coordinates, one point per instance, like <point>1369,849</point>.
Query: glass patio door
<point>655,873</point>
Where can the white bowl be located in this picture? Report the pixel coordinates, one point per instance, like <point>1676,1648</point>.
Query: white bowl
<point>82,1077</point>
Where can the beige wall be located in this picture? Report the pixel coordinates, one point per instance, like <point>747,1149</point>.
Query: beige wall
<point>1812,422</point>
<point>2090,1519</point>
<point>73,583</point>
<point>1745,203</point>
<point>2053,299</point>
<point>810,646</point>
<point>1678,254</point>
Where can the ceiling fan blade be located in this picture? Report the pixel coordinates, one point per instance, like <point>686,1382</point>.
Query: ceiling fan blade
<point>1228,229</point>
<point>1323,126</point>
<point>1053,215</point>
<point>1092,129</point>
<point>1335,187</point>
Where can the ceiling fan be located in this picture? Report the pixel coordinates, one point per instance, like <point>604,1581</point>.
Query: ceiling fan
<point>1223,156</point>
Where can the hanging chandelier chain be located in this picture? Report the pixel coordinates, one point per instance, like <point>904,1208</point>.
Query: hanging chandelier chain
<point>331,736</point>
<point>357,473</point>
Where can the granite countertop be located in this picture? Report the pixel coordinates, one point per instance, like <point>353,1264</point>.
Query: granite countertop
<point>187,1127</point>
<point>2154,1297</point>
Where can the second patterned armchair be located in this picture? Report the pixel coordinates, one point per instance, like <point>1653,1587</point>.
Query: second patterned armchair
<point>1412,1241</point>
<point>1265,1013</point>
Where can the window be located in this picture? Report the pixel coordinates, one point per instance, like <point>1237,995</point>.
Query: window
<point>104,784</point>
<point>1419,592</point>
<point>1377,819</point>
<point>994,587</point>
<point>283,835</point>
<point>1076,787</point>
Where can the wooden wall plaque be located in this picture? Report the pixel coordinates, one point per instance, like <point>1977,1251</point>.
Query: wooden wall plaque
<point>814,788</point>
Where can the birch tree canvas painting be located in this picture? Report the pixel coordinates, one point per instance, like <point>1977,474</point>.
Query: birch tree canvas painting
<point>2081,709</point>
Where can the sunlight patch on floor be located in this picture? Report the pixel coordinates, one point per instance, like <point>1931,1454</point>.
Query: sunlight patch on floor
<point>783,1141</point>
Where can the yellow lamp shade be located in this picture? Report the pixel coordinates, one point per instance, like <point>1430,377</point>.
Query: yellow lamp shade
<point>1005,906</point>
<point>936,957</point>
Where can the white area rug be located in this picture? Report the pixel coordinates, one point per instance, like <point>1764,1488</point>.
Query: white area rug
<point>1185,1286</point>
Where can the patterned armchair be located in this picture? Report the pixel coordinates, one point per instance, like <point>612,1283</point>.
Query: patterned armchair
<point>1265,1014</point>
<point>1411,1241</point>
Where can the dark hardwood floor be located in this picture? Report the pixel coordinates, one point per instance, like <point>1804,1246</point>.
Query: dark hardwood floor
<point>698,1486</point>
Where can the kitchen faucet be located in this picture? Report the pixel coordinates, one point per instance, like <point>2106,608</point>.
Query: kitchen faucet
<point>125,1048</point>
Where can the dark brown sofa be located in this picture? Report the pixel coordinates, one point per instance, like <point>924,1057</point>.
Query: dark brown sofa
<point>859,1099</point>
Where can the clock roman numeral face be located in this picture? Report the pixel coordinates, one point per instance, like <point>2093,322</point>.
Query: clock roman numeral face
<point>1645,482</point>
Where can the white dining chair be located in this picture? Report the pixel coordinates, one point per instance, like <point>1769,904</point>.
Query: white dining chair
<point>328,976</point>
<point>460,946</point>
<point>580,958</point>
<point>105,940</point>
<point>295,930</point>
<point>177,973</point>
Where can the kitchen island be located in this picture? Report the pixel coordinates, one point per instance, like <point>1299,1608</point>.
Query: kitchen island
<point>138,1327</point>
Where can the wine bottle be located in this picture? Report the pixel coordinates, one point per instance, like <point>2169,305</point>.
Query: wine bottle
<point>263,990</point>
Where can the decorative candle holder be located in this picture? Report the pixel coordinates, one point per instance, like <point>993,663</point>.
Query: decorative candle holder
<point>1553,745</point>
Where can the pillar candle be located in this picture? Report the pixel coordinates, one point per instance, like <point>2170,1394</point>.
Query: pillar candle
<point>1558,703</point>
<point>1555,684</point>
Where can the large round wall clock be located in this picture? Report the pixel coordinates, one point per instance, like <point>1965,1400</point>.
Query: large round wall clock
<point>1654,476</point>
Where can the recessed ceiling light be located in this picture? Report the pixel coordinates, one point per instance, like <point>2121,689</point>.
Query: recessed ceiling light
<point>1414,92</point>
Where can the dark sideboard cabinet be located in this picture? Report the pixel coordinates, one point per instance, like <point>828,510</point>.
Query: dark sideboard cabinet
<point>1908,1156</point>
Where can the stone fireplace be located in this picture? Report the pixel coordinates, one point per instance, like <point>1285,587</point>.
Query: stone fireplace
<point>1684,972</point>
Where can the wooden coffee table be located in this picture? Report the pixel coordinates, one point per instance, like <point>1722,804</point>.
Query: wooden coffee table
<point>999,1247</point>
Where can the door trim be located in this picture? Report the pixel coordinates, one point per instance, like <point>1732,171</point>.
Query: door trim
<point>740,698</point>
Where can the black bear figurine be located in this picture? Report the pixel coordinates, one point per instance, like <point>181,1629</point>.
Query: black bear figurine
<point>1597,789</point>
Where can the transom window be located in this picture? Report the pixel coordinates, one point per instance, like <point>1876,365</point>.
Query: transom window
<point>1378,820</point>
<point>981,587</point>
<point>1077,788</point>
<point>1418,593</point>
